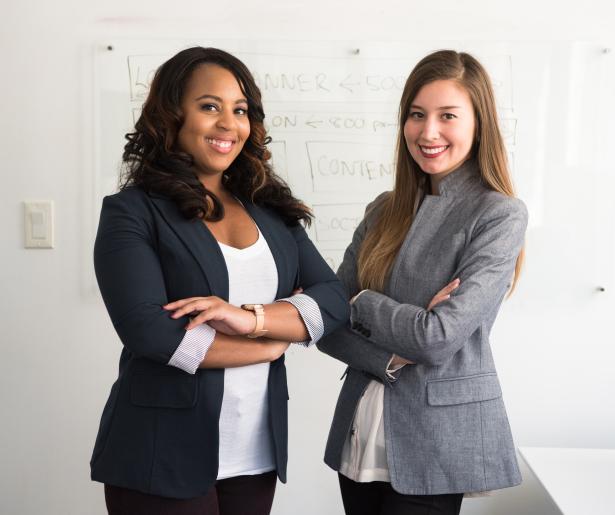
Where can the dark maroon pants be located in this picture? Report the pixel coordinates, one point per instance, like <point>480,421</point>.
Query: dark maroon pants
<point>241,495</point>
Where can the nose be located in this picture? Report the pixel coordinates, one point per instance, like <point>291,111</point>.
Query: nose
<point>431,129</point>
<point>226,120</point>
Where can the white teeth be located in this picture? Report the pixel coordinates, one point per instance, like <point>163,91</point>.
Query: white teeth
<point>219,143</point>
<point>435,150</point>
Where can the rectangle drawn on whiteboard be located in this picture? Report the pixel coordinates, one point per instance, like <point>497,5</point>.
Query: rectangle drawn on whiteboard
<point>343,165</point>
<point>337,222</point>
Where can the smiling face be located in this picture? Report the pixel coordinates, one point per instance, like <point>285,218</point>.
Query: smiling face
<point>216,123</point>
<point>440,127</point>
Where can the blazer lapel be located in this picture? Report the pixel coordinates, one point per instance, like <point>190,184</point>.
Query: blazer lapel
<point>200,243</point>
<point>277,245</point>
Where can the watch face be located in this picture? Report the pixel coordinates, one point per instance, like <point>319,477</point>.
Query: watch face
<point>252,307</point>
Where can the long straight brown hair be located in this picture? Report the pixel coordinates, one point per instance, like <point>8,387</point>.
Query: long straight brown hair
<point>384,239</point>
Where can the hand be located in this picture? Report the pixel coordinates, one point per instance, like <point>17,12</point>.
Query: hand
<point>397,360</point>
<point>220,315</point>
<point>444,293</point>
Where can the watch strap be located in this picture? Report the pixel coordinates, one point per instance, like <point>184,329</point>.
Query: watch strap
<point>259,313</point>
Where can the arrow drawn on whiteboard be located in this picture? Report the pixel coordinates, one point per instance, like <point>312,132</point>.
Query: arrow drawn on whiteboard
<point>313,123</point>
<point>346,85</point>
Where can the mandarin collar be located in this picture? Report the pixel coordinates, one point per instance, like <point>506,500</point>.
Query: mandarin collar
<point>460,179</point>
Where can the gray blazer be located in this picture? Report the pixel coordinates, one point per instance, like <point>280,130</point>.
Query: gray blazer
<point>446,429</point>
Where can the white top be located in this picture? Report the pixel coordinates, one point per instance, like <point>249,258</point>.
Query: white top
<point>364,456</point>
<point>580,481</point>
<point>245,440</point>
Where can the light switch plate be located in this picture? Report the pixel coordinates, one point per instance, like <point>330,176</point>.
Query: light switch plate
<point>38,223</point>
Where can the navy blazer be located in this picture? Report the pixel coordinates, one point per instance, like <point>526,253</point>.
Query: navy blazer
<point>159,429</point>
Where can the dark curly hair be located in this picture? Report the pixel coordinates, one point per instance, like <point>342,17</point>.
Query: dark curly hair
<point>153,161</point>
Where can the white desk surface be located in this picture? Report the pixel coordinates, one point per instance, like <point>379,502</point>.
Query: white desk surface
<point>580,481</point>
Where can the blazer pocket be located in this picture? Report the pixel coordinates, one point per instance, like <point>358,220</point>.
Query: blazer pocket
<point>463,390</point>
<point>164,391</point>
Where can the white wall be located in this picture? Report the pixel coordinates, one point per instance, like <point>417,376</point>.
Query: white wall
<point>58,350</point>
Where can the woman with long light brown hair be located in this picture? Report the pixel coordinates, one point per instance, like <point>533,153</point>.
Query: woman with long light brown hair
<point>420,419</point>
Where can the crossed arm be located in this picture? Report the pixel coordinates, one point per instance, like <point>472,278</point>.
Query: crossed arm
<point>228,325</point>
<point>132,284</point>
<point>432,335</point>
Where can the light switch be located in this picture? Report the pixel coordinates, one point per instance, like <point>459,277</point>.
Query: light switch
<point>38,218</point>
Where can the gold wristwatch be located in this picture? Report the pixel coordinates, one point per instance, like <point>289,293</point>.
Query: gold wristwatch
<point>259,313</point>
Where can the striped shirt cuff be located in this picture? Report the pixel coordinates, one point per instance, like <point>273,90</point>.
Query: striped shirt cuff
<point>310,314</point>
<point>192,349</point>
<point>391,369</point>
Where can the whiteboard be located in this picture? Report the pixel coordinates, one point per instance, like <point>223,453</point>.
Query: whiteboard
<point>331,110</point>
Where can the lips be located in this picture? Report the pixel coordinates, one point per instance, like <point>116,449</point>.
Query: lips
<point>223,146</point>
<point>432,152</point>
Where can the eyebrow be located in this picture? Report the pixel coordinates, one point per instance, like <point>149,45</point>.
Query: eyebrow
<point>218,99</point>
<point>442,108</point>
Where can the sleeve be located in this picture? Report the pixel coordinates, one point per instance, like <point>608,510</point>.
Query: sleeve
<point>358,353</point>
<point>320,283</point>
<point>193,348</point>
<point>343,344</point>
<point>310,314</point>
<point>132,283</point>
<point>392,369</point>
<point>486,269</point>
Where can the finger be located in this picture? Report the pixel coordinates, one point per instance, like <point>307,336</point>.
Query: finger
<point>437,299</point>
<point>193,307</point>
<point>204,317</point>
<point>179,303</point>
<point>196,321</point>
<point>297,291</point>
<point>450,287</point>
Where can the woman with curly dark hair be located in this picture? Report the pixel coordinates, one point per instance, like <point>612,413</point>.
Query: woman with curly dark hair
<point>207,275</point>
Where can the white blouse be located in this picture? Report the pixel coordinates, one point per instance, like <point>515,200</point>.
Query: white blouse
<point>245,441</point>
<point>364,456</point>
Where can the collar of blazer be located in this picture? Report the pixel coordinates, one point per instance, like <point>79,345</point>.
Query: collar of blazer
<point>460,180</point>
<point>205,249</point>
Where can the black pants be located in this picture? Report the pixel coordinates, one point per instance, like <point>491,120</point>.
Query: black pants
<point>379,498</point>
<point>241,495</point>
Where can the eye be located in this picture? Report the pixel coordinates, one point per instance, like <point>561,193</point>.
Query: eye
<point>416,115</point>
<point>208,107</point>
<point>448,116</point>
<point>241,111</point>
